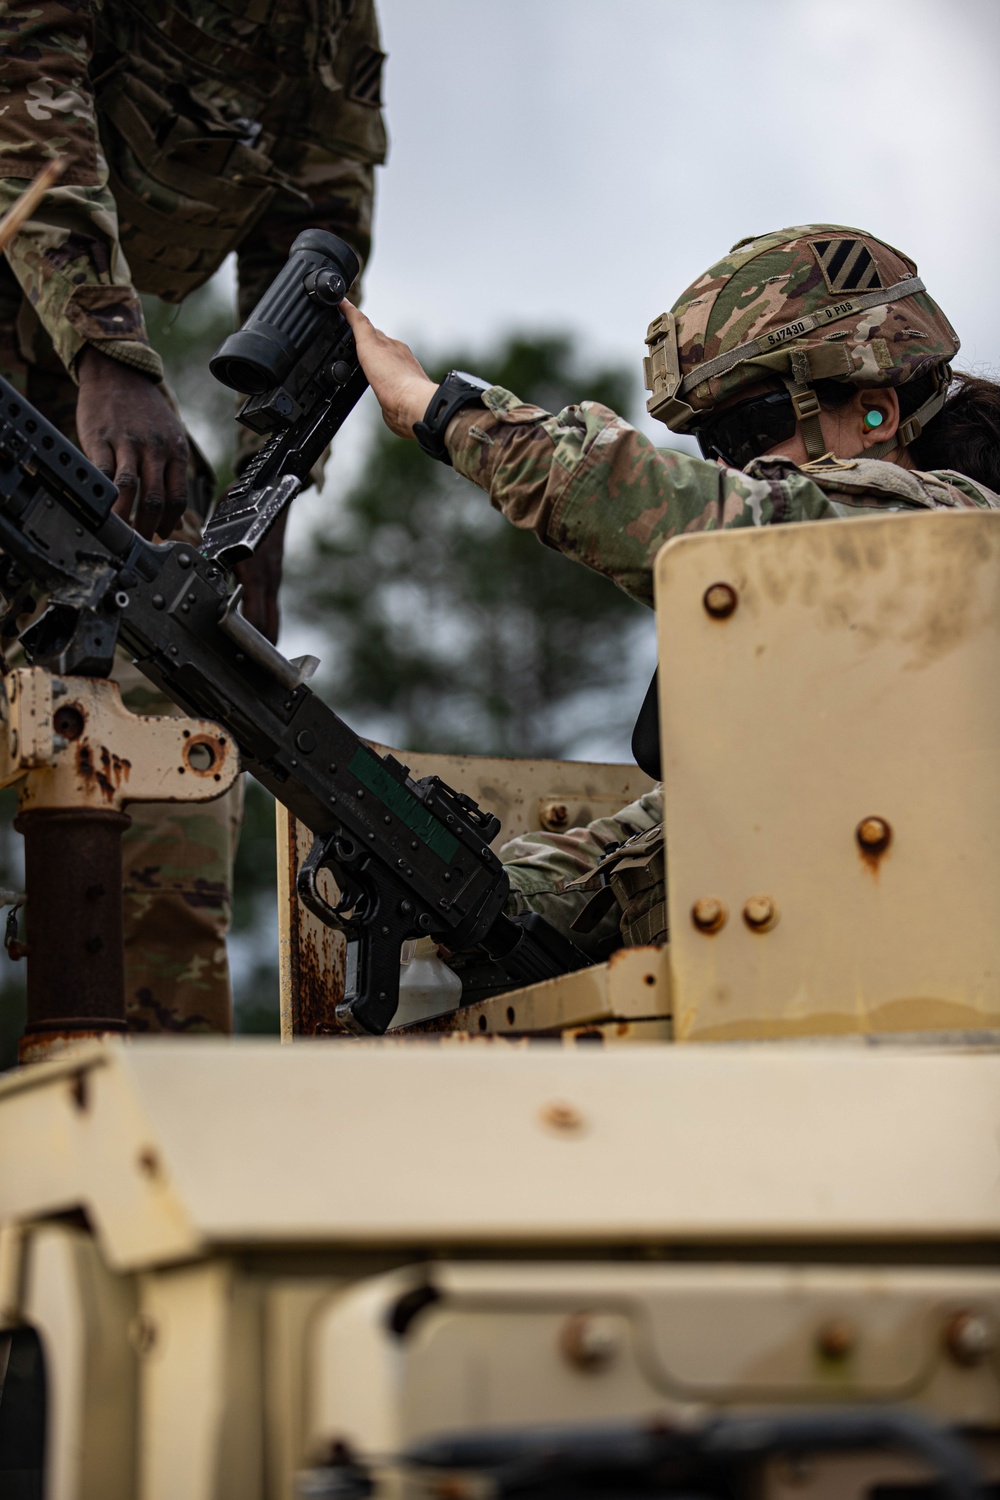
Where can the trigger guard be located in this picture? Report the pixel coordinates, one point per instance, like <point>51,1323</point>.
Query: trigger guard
<point>353,897</point>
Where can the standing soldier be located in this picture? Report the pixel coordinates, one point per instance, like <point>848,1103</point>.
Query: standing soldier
<point>188,129</point>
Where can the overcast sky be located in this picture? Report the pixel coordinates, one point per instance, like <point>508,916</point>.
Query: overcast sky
<point>576,163</point>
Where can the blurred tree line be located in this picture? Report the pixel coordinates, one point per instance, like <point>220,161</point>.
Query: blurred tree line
<point>439,625</point>
<point>450,629</point>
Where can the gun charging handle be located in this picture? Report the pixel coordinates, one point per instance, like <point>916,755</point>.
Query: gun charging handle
<point>289,316</point>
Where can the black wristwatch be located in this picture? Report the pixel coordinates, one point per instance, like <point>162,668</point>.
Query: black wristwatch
<point>455,391</point>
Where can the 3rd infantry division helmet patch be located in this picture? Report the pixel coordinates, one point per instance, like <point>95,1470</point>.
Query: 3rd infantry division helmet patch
<point>847,265</point>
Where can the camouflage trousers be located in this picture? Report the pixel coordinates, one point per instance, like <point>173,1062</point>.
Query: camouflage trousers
<point>177,857</point>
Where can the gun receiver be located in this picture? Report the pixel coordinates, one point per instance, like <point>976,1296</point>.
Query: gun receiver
<point>295,354</point>
<point>411,858</point>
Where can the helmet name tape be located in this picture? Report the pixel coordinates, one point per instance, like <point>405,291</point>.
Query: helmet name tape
<point>847,265</point>
<point>805,325</point>
<point>778,336</point>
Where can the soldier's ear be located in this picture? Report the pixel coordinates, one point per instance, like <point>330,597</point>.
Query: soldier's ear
<point>874,415</point>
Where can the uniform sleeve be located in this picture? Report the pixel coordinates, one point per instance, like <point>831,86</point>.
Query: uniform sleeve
<point>544,863</point>
<point>588,484</point>
<point>67,258</point>
<point>541,865</point>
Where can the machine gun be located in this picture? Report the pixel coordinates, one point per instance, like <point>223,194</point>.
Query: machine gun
<point>410,858</point>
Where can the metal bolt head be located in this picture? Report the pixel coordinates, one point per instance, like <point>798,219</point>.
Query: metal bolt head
<point>708,914</point>
<point>760,913</point>
<point>970,1337</point>
<point>720,600</point>
<point>554,816</point>
<point>836,1339</point>
<point>873,835</point>
<point>590,1341</point>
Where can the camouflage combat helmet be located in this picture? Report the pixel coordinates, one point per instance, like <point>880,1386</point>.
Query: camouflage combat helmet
<point>817,302</point>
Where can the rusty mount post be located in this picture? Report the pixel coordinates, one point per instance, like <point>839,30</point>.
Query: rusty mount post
<point>76,961</point>
<point>78,763</point>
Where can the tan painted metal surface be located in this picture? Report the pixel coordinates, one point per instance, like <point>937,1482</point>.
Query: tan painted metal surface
<point>633,986</point>
<point>524,794</point>
<point>572,1342</point>
<point>855,681</point>
<point>182,1145</point>
<point>82,1314</point>
<point>76,745</point>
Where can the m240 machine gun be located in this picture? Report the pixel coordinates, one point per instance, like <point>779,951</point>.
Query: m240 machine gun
<point>411,858</point>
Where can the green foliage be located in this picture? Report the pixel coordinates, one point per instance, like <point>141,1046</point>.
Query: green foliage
<point>449,629</point>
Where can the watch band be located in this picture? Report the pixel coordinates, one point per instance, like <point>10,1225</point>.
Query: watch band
<point>456,390</point>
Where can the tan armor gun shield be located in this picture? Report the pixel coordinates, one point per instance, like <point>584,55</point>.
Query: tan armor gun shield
<point>831,730</point>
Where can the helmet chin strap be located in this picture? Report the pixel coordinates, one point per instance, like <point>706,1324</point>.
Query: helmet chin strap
<point>907,432</point>
<point>805,402</point>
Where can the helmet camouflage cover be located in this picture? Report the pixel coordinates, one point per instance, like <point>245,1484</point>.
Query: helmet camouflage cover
<point>817,302</point>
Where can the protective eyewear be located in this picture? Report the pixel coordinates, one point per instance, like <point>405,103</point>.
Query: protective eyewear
<point>739,433</point>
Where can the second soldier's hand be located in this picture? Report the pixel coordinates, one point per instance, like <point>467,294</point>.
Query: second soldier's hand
<point>127,427</point>
<point>400,382</point>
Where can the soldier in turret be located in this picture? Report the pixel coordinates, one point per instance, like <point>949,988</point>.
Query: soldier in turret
<point>815,373</point>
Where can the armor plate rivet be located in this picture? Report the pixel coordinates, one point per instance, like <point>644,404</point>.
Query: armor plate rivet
<point>873,834</point>
<point>554,816</point>
<point>760,913</point>
<point>708,914</point>
<point>719,600</point>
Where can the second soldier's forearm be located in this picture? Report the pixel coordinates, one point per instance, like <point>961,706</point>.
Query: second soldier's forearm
<point>67,257</point>
<point>71,269</point>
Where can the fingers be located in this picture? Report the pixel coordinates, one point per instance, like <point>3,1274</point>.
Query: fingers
<point>126,477</point>
<point>175,488</point>
<point>401,384</point>
<point>354,315</point>
<point>150,508</point>
<point>129,429</point>
<point>101,455</point>
<point>157,472</point>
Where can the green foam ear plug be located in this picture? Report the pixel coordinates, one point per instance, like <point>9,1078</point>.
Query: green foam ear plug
<point>873,419</point>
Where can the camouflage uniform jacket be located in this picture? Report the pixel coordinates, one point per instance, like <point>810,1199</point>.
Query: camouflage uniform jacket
<point>189,128</point>
<point>591,486</point>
